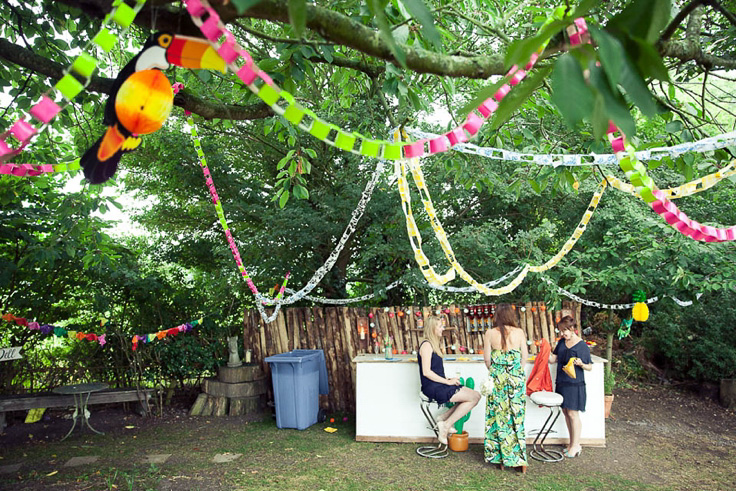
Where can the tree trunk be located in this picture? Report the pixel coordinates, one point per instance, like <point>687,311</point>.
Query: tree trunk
<point>609,344</point>
<point>609,352</point>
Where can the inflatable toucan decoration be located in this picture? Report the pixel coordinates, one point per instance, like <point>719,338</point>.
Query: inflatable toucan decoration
<point>141,98</point>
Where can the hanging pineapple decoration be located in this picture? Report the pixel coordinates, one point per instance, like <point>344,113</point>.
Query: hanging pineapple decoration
<point>640,312</point>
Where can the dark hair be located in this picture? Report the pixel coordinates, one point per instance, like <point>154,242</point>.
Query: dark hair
<point>566,323</point>
<point>505,316</point>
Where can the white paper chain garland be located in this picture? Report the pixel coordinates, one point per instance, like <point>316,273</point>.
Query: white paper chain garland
<point>615,306</point>
<point>571,160</point>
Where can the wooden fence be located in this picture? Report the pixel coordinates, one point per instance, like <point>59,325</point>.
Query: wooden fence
<point>337,331</point>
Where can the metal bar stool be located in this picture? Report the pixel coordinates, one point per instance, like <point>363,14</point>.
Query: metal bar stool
<point>430,451</point>
<point>551,400</point>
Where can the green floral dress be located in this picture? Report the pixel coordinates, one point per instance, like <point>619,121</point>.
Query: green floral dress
<point>505,441</point>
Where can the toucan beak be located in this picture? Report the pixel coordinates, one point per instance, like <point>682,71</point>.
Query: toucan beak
<point>189,52</point>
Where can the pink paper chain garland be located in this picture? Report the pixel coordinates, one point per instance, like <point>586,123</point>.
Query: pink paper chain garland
<point>218,207</point>
<point>646,187</point>
<point>240,62</point>
<point>35,170</point>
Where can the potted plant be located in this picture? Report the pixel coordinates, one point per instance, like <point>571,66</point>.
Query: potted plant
<point>609,381</point>
<point>458,442</point>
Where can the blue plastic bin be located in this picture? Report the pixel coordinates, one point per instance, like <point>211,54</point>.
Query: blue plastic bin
<point>299,376</point>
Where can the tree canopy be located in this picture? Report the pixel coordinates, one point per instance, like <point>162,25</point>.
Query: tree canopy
<point>659,70</point>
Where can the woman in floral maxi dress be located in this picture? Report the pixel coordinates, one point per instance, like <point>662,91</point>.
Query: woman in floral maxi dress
<point>505,352</point>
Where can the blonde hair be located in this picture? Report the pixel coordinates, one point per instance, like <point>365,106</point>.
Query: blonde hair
<point>430,323</point>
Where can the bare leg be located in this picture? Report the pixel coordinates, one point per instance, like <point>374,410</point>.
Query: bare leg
<point>576,427</point>
<point>445,414</point>
<point>465,399</point>
<point>568,423</point>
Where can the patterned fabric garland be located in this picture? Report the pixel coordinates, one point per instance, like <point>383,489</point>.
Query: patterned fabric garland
<point>149,338</point>
<point>59,332</point>
<point>587,159</point>
<point>240,62</point>
<point>68,87</point>
<point>645,186</point>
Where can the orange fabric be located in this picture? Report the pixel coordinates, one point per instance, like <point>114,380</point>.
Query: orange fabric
<point>539,378</point>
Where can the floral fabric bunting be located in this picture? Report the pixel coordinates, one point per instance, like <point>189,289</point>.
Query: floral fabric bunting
<point>59,332</point>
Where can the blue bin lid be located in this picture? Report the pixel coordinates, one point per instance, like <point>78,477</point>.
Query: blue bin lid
<point>299,355</point>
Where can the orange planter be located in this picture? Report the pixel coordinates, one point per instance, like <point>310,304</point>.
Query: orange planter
<point>458,442</point>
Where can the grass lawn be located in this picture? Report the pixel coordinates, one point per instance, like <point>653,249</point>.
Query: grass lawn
<point>637,457</point>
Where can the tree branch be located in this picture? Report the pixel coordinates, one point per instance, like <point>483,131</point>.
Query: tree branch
<point>332,26</point>
<point>43,66</point>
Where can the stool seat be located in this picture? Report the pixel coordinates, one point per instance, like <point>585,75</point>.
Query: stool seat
<point>545,398</point>
<point>550,400</point>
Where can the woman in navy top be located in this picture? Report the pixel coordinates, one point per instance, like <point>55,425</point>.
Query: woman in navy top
<point>434,383</point>
<point>571,389</point>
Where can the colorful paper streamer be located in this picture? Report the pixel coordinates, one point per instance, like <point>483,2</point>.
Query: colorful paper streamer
<point>645,186</point>
<point>240,62</point>
<point>67,88</point>
<point>149,338</point>
<point>587,159</point>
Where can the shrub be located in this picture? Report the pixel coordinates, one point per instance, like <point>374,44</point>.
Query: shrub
<point>696,342</point>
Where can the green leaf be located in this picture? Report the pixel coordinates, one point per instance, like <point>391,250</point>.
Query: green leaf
<point>301,192</point>
<point>570,93</point>
<point>518,96</point>
<point>643,19</point>
<point>674,127</point>
<point>284,198</point>
<point>243,5</point>
<point>620,70</point>
<point>649,62</point>
<point>615,109</point>
<point>377,9</point>
<point>521,50</point>
<point>535,186</point>
<point>421,13</point>
<point>599,118</point>
<point>298,16</point>
<point>611,54</point>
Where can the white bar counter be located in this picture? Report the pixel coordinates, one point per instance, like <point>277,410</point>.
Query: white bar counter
<point>387,401</point>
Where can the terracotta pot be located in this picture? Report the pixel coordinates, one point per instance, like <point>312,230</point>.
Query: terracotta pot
<point>458,442</point>
<point>607,401</point>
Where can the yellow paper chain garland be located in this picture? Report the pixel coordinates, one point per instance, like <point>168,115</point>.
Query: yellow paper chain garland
<point>687,189</point>
<point>416,242</point>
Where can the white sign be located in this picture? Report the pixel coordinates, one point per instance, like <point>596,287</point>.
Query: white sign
<point>10,354</point>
